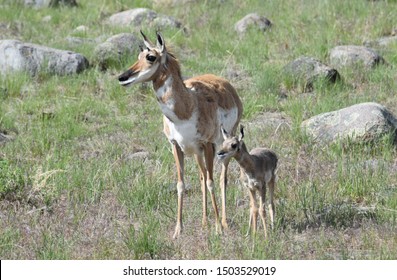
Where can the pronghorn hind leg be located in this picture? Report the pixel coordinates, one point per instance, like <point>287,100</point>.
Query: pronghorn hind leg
<point>271,206</point>
<point>203,179</point>
<point>262,211</point>
<point>209,154</point>
<point>179,161</point>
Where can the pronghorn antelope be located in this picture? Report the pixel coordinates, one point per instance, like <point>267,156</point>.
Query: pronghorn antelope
<point>194,110</point>
<point>258,169</point>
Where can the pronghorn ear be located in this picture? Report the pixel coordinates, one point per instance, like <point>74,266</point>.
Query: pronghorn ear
<point>241,133</point>
<point>146,41</point>
<point>224,133</point>
<point>160,42</point>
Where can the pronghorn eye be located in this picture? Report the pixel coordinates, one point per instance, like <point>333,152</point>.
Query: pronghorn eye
<point>234,146</point>
<point>150,58</point>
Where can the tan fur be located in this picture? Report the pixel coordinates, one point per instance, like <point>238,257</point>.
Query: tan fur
<point>191,112</point>
<point>258,169</point>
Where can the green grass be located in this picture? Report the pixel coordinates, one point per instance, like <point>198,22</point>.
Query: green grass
<point>72,185</point>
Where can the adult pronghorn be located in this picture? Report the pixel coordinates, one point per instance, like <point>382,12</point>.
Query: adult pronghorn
<point>194,111</point>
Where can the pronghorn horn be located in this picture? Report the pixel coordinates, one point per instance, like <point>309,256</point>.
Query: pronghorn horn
<point>146,41</point>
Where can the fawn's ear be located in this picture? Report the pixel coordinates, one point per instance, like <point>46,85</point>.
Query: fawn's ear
<point>241,136</point>
<point>224,133</point>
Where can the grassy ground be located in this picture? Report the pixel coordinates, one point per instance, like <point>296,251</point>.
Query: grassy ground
<point>89,173</point>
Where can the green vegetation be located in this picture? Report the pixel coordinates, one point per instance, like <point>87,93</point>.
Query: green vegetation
<point>89,173</point>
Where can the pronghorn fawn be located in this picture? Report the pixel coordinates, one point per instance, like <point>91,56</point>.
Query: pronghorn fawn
<point>193,112</point>
<point>258,169</point>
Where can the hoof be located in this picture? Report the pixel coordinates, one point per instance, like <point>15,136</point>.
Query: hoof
<point>225,225</point>
<point>177,233</point>
<point>218,229</point>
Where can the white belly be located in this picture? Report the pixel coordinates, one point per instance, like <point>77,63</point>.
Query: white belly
<point>185,134</point>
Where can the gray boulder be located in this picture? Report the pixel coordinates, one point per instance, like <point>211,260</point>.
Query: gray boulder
<point>113,50</point>
<point>49,3</point>
<point>363,122</point>
<point>17,56</point>
<point>305,70</point>
<point>143,17</point>
<point>252,19</point>
<point>382,42</point>
<point>354,56</point>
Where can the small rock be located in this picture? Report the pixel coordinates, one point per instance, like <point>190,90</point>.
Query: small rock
<point>140,155</point>
<point>252,19</point>
<point>143,17</point>
<point>49,3</point>
<point>355,56</point>
<point>113,49</point>
<point>305,70</point>
<point>81,28</point>
<point>46,18</point>
<point>382,42</point>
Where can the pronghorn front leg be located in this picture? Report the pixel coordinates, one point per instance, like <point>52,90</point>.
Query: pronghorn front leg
<point>179,160</point>
<point>253,212</point>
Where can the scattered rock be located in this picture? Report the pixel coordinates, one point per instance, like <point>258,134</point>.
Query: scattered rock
<point>76,41</point>
<point>355,56</point>
<point>138,156</point>
<point>46,19</point>
<point>252,19</point>
<point>3,138</point>
<point>49,3</point>
<point>81,29</point>
<point>172,3</point>
<point>113,49</point>
<point>19,56</point>
<point>382,42</point>
<point>271,120</point>
<point>6,136</point>
<point>8,30</point>
<point>363,122</point>
<point>305,70</point>
<point>143,17</point>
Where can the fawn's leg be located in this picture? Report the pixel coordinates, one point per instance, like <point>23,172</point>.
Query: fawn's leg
<point>262,211</point>
<point>223,184</point>
<point>272,209</point>
<point>253,213</point>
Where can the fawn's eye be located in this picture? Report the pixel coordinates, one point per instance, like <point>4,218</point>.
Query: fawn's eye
<point>150,58</point>
<point>234,146</point>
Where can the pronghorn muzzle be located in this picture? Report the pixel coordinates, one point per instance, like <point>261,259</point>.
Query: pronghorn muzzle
<point>124,77</point>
